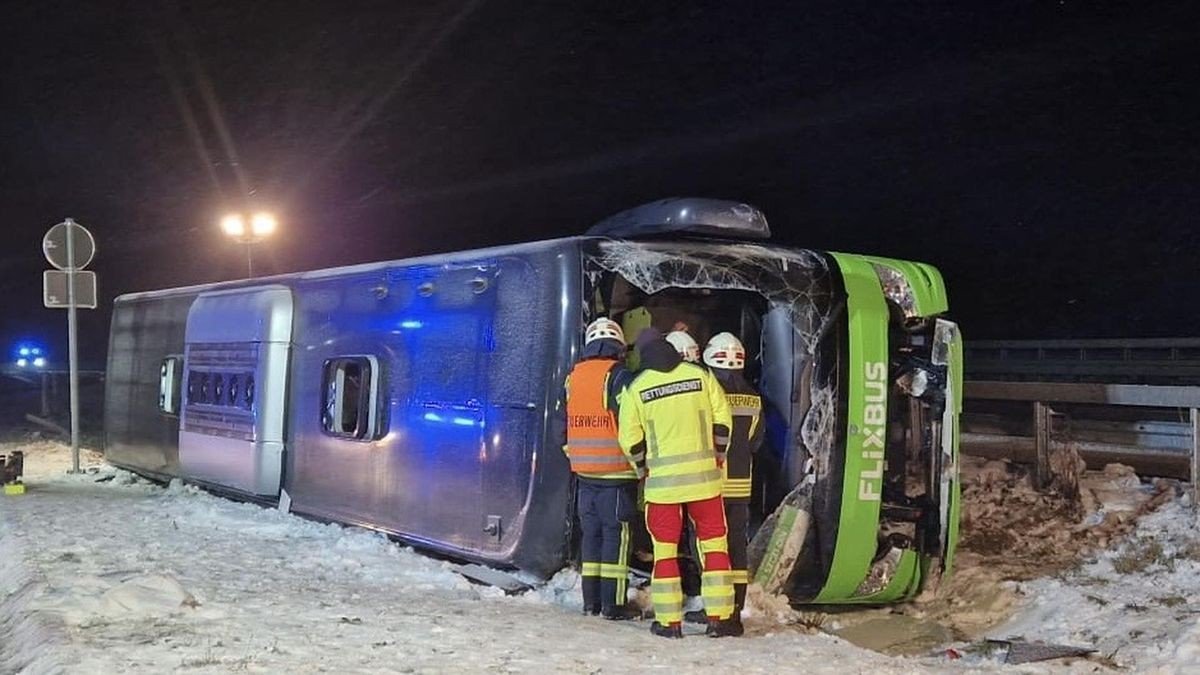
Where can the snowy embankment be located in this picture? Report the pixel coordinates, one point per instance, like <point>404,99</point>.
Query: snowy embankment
<point>120,575</point>
<point>105,572</point>
<point>1138,604</point>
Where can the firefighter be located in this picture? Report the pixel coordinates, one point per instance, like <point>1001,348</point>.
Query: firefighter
<point>689,571</point>
<point>685,345</point>
<point>726,356</point>
<point>674,426</point>
<point>606,481</point>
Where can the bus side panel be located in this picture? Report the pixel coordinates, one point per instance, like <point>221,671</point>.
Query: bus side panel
<point>468,353</point>
<point>419,476</point>
<point>137,435</point>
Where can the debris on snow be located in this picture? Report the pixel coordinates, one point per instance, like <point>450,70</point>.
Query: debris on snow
<point>1020,651</point>
<point>1028,533</point>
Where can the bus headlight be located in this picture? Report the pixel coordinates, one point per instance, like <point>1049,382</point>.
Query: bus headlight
<point>914,383</point>
<point>897,289</point>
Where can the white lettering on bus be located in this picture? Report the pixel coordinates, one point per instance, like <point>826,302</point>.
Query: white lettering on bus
<point>874,423</point>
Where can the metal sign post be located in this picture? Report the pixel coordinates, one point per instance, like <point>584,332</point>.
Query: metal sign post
<point>70,247</point>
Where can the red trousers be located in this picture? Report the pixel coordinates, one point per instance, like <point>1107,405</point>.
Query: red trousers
<point>665,523</point>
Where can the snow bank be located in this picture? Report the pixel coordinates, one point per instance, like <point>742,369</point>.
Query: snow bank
<point>133,577</point>
<point>105,572</point>
<point>26,643</point>
<point>1138,603</point>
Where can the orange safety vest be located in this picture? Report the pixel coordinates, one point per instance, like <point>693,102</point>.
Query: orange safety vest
<point>591,427</point>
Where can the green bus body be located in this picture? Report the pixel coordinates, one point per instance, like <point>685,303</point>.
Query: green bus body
<point>868,358</point>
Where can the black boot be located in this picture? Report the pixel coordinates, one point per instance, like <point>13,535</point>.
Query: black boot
<point>695,616</point>
<point>660,630</point>
<point>736,627</point>
<point>621,613</point>
<point>591,610</point>
<point>724,628</point>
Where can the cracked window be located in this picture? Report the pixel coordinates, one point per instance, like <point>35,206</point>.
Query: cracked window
<point>782,303</point>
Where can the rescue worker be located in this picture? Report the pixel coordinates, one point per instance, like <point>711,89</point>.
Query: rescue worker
<point>726,356</point>
<point>674,426</point>
<point>685,344</point>
<point>606,481</point>
<point>689,571</point>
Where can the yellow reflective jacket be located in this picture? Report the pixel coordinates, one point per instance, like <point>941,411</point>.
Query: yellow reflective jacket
<point>674,427</point>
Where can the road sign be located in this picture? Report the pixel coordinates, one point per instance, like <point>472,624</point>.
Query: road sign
<point>59,249</point>
<point>70,247</point>
<point>56,294</point>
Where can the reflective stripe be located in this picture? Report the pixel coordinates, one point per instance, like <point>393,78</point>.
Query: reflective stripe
<point>638,458</point>
<point>593,443</point>
<point>599,458</point>
<point>716,586</point>
<point>651,440</point>
<point>740,577</point>
<point>613,570</point>
<point>622,556</point>
<point>704,428</point>
<point>616,461</point>
<point>604,472</point>
<point>722,440</point>
<point>715,545</point>
<point>672,460</point>
<point>590,569</point>
<point>716,578</point>
<point>667,595</point>
<point>743,410</point>
<point>737,487</point>
<point>664,550</point>
<point>719,609</point>
<point>656,481</point>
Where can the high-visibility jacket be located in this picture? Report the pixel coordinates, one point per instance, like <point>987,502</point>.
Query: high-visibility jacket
<point>592,443</point>
<point>675,425</point>
<point>746,435</point>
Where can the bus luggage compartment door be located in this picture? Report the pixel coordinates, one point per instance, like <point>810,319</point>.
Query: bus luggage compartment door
<point>235,389</point>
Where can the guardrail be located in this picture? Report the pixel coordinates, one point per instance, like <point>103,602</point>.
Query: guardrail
<point>1041,394</point>
<point>53,387</point>
<point>1141,361</point>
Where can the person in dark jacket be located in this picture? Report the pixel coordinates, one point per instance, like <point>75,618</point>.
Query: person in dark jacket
<point>606,481</point>
<point>726,356</point>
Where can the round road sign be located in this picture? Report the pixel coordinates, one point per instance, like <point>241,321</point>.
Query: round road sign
<point>54,245</point>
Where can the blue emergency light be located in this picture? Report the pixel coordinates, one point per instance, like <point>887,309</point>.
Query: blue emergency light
<point>29,356</point>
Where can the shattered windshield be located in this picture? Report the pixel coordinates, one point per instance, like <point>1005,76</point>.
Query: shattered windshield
<point>795,278</point>
<point>799,290</point>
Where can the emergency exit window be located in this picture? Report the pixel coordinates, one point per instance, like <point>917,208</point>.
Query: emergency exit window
<point>351,386</point>
<point>170,384</point>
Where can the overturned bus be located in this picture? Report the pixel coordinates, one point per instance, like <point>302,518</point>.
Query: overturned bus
<point>418,397</point>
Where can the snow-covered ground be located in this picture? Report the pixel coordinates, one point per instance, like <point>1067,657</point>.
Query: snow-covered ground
<point>1138,603</point>
<point>104,572</point>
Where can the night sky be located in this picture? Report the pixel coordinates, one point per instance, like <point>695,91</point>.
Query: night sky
<point>1044,155</point>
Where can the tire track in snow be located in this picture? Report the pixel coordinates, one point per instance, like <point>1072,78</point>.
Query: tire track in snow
<point>27,640</point>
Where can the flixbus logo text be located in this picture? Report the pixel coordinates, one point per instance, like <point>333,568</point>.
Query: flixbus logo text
<point>874,422</point>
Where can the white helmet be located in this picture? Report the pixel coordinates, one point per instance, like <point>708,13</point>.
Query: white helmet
<point>685,345</point>
<point>725,351</point>
<point>604,328</point>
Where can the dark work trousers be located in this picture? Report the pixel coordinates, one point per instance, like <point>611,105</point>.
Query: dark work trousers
<point>605,509</point>
<point>689,568</point>
<point>737,518</point>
